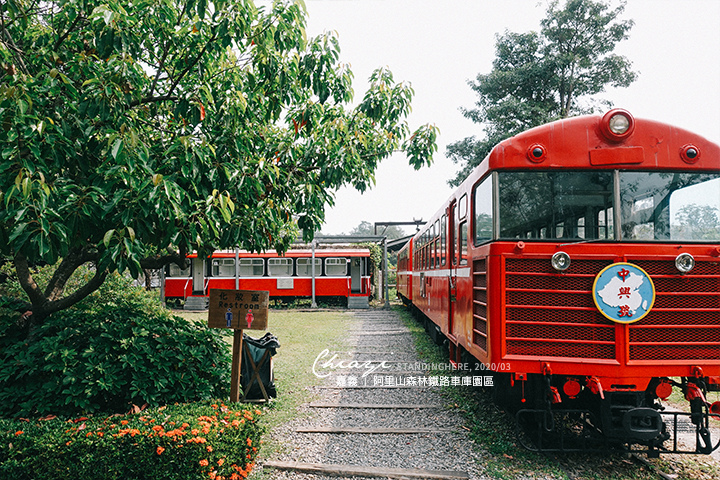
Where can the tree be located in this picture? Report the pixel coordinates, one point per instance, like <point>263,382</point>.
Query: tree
<point>393,232</point>
<point>697,222</point>
<point>135,132</point>
<point>541,77</point>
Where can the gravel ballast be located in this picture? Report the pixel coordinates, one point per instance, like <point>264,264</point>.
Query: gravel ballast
<point>442,445</point>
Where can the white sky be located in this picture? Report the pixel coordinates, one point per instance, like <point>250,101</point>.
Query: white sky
<point>438,46</point>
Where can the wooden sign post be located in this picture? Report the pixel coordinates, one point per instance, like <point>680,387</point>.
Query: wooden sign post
<point>238,310</point>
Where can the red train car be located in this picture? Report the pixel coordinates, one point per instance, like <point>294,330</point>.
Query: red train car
<point>339,273</point>
<point>580,264</point>
<point>404,273</point>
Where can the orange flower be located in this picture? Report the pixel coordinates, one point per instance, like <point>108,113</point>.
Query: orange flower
<point>209,449</point>
<point>160,450</point>
<point>123,422</point>
<point>19,432</point>
<point>249,442</point>
<point>204,463</point>
<point>220,462</point>
<point>158,428</point>
<point>235,423</point>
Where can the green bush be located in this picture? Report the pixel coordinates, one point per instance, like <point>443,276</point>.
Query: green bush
<point>178,442</point>
<point>119,347</point>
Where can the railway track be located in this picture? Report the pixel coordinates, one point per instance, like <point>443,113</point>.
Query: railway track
<point>374,417</point>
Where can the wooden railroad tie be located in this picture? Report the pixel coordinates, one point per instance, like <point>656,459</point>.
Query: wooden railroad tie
<point>398,406</point>
<point>372,431</point>
<point>360,471</point>
<point>381,332</point>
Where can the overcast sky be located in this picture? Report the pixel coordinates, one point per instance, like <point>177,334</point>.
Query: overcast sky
<point>438,46</point>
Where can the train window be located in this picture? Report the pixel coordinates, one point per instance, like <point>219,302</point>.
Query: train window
<point>462,207</point>
<point>434,252</point>
<point>280,267</point>
<point>605,223</point>
<point>335,267</point>
<point>674,206</point>
<point>252,267</point>
<point>443,238</point>
<point>463,243</point>
<point>437,253</point>
<point>562,204</point>
<point>482,206</point>
<point>175,271</point>
<point>223,267</point>
<point>304,267</point>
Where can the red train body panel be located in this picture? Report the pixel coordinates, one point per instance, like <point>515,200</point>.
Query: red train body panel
<point>339,273</point>
<point>482,272</point>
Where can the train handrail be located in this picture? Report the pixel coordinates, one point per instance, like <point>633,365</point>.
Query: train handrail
<point>185,295</point>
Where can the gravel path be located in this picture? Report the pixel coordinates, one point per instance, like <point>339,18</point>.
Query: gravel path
<point>378,336</point>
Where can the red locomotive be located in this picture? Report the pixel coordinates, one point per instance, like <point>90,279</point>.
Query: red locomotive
<point>580,264</point>
<point>339,273</point>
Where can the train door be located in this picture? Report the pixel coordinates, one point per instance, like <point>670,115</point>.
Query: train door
<point>356,275</point>
<point>452,265</point>
<point>198,276</point>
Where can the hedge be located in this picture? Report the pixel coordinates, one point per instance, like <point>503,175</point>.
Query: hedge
<point>195,441</point>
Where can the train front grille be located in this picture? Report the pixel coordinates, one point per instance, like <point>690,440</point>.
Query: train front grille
<point>553,315</point>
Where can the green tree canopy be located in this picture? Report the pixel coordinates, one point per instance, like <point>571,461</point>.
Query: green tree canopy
<point>134,132</point>
<point>541,77</point>
<point>392,232</point>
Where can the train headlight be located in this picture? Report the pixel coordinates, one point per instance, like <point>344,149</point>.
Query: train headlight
<point>560,261</point>
<point>684,262</point>
<point>617,124</point>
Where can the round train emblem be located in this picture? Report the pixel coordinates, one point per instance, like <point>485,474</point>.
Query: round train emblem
<point>623,292</point>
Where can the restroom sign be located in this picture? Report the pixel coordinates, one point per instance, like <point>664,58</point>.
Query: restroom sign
<point>238,309</point>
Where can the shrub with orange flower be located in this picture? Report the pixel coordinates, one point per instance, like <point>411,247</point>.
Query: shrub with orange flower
<point>191,438</point>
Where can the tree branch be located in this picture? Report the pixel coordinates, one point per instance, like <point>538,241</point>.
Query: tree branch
<point>62,38</point>
<point>72,261</point>
<point>156,263</point>
<point>27,282</point>
<point>78,294</point>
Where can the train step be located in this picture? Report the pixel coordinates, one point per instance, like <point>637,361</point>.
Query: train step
<point>196,303</point>
<point>358,302</point>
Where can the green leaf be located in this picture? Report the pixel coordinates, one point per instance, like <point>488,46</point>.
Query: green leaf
<point>116,148</point>
<point>107,237</point>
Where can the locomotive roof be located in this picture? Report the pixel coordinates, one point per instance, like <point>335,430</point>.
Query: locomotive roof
<point>581,142</point>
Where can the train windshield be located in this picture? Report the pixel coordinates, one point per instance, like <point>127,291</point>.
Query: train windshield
<point>673,206</point>
<point>556,204</point>
<point>579,205</point>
